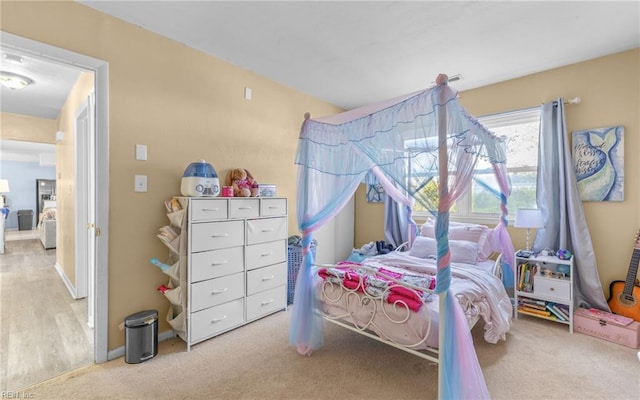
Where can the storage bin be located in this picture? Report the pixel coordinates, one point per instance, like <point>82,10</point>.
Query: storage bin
<point>141,336</point>
<point>607,326</point>
<point>294,261</point>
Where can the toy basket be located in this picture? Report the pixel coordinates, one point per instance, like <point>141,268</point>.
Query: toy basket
<point>295,260</point>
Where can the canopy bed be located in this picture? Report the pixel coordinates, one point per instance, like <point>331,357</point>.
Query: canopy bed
<point>406,143</point>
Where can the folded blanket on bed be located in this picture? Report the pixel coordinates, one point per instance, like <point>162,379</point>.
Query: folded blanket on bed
<point>380,285</point>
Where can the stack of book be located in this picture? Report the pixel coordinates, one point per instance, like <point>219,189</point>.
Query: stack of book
<point>526,272</point>
<point>544,309</point>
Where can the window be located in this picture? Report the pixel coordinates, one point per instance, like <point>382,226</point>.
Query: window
<point>479,204</point>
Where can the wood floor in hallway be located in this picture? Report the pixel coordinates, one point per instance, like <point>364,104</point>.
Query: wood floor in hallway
<point>43,330</point>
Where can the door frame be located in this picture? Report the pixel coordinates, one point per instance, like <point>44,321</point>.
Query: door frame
<point>100,69</point>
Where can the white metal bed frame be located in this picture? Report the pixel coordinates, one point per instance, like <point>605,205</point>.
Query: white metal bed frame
<point>380,305</point>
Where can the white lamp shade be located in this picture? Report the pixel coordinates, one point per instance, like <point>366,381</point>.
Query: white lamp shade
<point>4,186</point>
<point>528,218</point>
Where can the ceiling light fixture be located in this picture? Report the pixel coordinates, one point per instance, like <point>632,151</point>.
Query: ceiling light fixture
<point>14,81</point>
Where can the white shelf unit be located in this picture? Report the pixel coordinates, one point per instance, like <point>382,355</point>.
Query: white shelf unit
<point>233,257</point>
<point>540,281</point>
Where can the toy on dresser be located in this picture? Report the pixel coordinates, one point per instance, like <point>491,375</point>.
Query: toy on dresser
<point>243,183</point>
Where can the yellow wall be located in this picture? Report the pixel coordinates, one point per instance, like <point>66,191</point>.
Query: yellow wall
<point>184,105</point>
<point>65,176</point>
<point>610,91</point>
<point>27,129</point>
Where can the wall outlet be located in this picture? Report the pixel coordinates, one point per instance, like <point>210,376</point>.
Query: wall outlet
<point>140,183</point>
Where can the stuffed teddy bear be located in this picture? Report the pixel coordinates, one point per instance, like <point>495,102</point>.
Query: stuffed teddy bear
<point>242,182</point>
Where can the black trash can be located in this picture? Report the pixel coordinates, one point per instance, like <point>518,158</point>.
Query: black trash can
<point>25,220</point>
<point>140,336</point>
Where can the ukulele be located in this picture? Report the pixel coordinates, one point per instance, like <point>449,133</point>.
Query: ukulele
<point>624,298</point>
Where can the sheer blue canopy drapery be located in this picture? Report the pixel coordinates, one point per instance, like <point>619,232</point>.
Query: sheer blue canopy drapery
<point>406,142</point>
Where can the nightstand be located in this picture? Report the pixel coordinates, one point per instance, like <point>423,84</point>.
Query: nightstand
<point>543,288</point>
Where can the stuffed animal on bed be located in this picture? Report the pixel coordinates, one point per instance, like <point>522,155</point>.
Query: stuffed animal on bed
<point>242,182</point>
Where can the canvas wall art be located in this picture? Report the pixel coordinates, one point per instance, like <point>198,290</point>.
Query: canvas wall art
<point>375,193</point>
<point>598,157</point>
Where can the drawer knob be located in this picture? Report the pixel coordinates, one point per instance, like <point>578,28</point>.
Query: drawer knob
<point>266,254</point>
<point>218,235</point>
<point>552,289</point>
<point>213,321</point>
<point>210,209</point>
<point>273,208</point>
<point>220,291</point>
<point>267,230</point>
<point>244,208</point>
<point>219,263</point>
<point>264,303</point>
<point>268,278</point>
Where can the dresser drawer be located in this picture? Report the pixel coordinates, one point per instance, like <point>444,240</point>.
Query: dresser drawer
<point>266,302</point>
<point>216,235</point>
<point>216,291</point>
<point>214,320</point>
<point>552,287</point>
<point>204,209</point>
<point>260,255</point>
<point>216,263</point>
<point>266,278</point>
<point>266,230</point>
<point>244,208</point>
<point>273,207</point>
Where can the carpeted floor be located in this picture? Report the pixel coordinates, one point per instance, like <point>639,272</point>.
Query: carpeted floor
<point>539,360</point>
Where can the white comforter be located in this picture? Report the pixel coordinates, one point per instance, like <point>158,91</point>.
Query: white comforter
<point>480,293</point>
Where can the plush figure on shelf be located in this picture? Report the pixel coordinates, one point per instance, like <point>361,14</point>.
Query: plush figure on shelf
<point>242,182</point>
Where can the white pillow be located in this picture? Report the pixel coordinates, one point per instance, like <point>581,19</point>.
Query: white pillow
<point>479,234</point>
<point>462,251</point>
<point>423,247</point>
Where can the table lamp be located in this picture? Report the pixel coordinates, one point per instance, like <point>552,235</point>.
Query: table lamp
<point>4,188</point>
<point>528,218</point>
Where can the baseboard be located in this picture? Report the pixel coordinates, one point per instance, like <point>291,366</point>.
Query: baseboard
<point>66,281</point>
<point>119,352</point>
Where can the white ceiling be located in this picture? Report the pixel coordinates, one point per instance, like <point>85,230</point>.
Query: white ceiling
<point>353,53</point>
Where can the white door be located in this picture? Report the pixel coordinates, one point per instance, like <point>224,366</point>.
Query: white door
<point>85,204</point>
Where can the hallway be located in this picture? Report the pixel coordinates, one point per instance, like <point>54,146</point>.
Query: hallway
<point>43,330</point>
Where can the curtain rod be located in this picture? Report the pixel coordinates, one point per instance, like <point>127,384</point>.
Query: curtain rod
<point>575,100</point>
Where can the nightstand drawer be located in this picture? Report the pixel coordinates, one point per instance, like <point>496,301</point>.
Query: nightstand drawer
<point>216,291</point>
<point>266,230</point>
<point>217,235</point>
<point>266,278</point>
<point>216,263</point>
<point>551,287</point>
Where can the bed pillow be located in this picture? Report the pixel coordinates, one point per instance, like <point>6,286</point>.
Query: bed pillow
<point>479,234</point>
<point>462,251</point>
<point>423,247</point>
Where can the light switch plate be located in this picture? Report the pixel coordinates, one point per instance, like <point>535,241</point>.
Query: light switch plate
<point>141,152</point>
<point>140,183</point>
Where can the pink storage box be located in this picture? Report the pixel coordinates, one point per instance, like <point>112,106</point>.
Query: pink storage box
<point>610,327</point>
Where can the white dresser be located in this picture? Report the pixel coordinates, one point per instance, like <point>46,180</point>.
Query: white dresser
<point>235,255</point>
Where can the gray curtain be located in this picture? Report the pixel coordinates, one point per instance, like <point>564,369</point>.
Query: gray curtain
<point>396,225</point>
<point>561,207</point>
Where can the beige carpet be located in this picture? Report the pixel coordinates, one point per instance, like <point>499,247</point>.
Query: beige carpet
<point>539,360</point>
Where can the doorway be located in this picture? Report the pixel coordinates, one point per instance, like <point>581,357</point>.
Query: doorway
<point>97,282</point>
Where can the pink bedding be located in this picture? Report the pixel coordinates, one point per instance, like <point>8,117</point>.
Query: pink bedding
<point>481,294</point>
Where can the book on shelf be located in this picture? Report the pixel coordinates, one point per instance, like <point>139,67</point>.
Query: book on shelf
<point>562,309</point>
<point>537,313</point>
<point>552,307</point>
